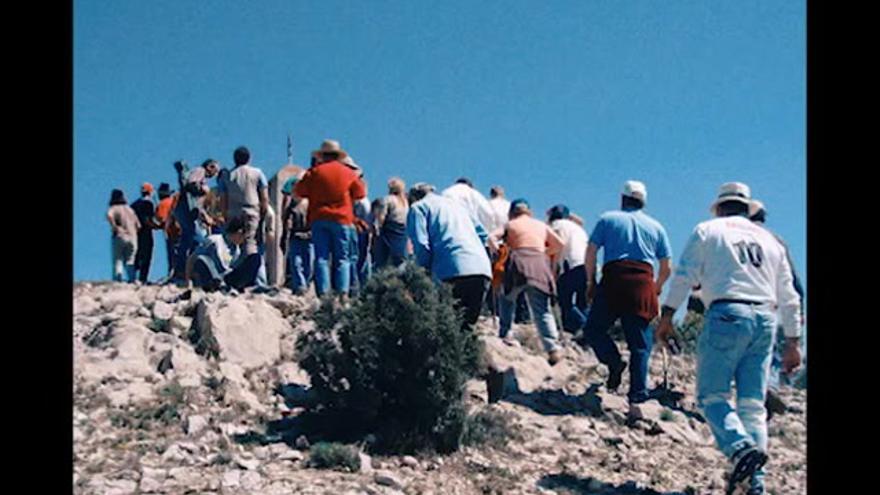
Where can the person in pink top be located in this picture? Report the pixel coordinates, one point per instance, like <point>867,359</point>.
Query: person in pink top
<point>532,243</point>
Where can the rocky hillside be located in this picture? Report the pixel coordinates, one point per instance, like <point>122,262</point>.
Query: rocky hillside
<point>199,393</point>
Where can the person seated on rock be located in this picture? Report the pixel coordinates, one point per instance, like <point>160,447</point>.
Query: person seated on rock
<point>532,243</point>
<point>220,263</point>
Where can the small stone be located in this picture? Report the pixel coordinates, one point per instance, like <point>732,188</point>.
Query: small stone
<point>249,464</point>
<point>251,481</point>
<point>648,410</point>
<point>152,479</point>
<point>410,461</point>
<point>231,479</point>
<point>366,464</point>
<point>386,478</point>
<point>291,455</point>
<point>162,311</point>
<point>302,442</point>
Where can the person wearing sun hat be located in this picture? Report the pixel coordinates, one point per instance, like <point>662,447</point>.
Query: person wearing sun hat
<point>332,188</point>
<point>632,243</point>
<point>744,275</point>
<point>775,403</point>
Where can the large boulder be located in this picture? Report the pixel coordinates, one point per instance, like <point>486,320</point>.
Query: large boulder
<point>242,332</point>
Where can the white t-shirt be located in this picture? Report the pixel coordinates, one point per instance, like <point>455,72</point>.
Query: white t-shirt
<point>575,239</point>
<point>500,210</point>
<point>473,201</point>
<point>733,258</point>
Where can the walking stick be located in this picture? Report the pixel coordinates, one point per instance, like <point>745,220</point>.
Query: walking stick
<point>495,310</point>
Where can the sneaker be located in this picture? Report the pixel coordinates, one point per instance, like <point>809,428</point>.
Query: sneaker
<point>615,374</point>
<point>554,357</point>
<point>747,460</point>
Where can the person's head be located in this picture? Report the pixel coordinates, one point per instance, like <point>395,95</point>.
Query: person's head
<point>396,186</point>
<point>330,150</point>
<point>146,190</point>
<point>734,198</point>
<point>211,167</point>
<point>558,212</point>
<point>117,197</point>
<point>418,191</point>
<point>496,192</point>
<point>376,206</point>
<point>465,181</point>
<point>241,156</point>
<point>757,212</point>
<point>236,231</point>
<point>518,207</point>
<point>164,190</point>
<point>634,195</point>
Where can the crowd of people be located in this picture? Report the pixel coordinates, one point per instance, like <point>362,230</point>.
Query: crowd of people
<point>497,256</point>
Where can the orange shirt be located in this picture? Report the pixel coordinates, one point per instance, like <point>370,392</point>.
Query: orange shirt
<point>163,210</point>
<point>331,189</point>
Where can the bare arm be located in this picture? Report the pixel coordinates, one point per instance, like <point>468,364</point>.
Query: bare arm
<point>590,265</point>
<point>663,275</point>
<point>264,201</point>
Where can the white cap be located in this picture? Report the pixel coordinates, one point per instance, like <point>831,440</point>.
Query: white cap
<point>635,189</point>
<point>732,191</point>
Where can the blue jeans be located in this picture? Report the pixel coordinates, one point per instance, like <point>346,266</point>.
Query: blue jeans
<point>190,236</point>
<point>573,285</point>
<point>390,245</point>
<point>540,304</point>
<point>300,254</point>
<point>639,339</point>
<point>331,238</point>
<point>735,345</point>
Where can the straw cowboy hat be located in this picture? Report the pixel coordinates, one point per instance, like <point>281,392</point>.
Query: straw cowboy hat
<point>755,207</point>
<point>732,191</point>
<point>330,146</point>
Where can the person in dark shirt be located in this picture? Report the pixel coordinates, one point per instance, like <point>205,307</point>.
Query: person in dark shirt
<point>145,211</point>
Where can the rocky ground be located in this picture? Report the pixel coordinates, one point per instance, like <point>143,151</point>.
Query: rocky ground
<point>182,396</point>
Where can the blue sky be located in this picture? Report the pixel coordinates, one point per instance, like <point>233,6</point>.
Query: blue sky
<point>558,101</point>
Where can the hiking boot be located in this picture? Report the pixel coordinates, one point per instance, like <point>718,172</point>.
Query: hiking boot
<point>747,461</point>
<point>615,374</point>
<point>774,404</point>
<point>495,385</point>
<point>554,357</point>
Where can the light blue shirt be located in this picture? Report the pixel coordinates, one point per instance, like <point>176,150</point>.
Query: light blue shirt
<point>630,234</point>
<point>446,240</point>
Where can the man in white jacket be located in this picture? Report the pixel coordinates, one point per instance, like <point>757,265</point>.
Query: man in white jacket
<point>744,277</point>
<point>463,191</point>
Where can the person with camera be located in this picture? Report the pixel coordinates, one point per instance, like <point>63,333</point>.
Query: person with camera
<point>190,209</point>
<point>744,275</point>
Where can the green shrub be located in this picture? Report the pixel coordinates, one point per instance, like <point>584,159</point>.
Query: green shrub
<point>394,363</point>
<point>490,427</point>
<point>324,455</point>
<point>689,331</point>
